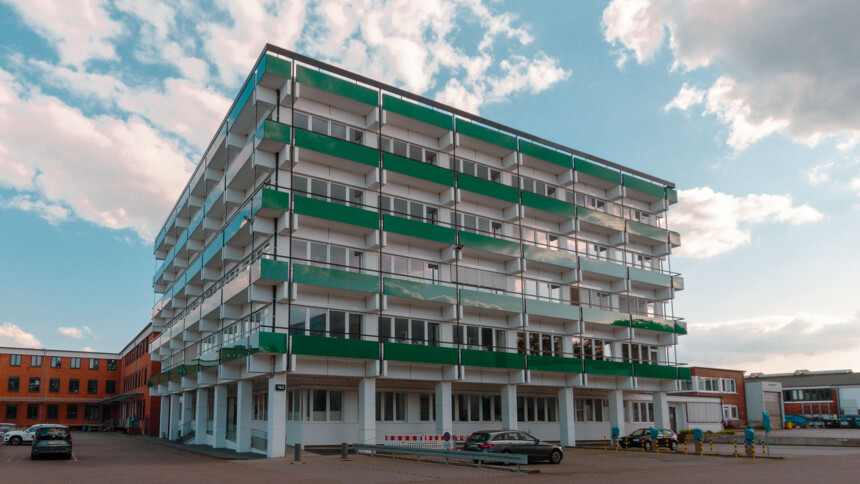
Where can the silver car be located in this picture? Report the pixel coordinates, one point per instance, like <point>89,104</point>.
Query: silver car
<point>514,442</point>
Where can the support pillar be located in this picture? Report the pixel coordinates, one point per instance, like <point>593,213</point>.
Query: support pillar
<point>616,410</point>
<point>277,424</point>
<point>367,411</point>
<point>219,426</point>
<point>661,410</point>
<point>163,418</point>
<point>444,412</point>
<point>509,407</point>
<point>567,425</point>
<point>174,416</point>
<point>202,412</point>
<point>187,413</point>
<point>244,412</point>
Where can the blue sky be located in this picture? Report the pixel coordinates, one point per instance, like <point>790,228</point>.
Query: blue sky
<point>750,107</point>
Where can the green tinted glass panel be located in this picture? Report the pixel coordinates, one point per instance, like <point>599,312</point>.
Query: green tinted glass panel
<point>335,347</point>
<point>278,270</point>
<point>417,112</point>
<point>420,354</point>
<point>274,65</point>
<point>486,135</point>
<point>603,267</point>
<point>648,231</point>
<point>337,147</point>
<point>601,316</point>
<point>555,363</point>
<point>268,342</point>
<point>552,309</point>
<point>684,374</point>
<point>555,257</point>
<point>417,169</point>
<point>612,368</point>
<point>654,324</point>
<point>414,228</point>
<point>486,300</point>
<point>597,171</point>
<point>336,212</point>
<point>489,244</point>
<point>336,85</point>
<point>655,371</point>
<point>650,277</point>
<point>549,204</point>
<point>334,278</point>
<point>275,199</point>
<point>644,186</point>
<point>546,154</point>
<point>488,188</point>
<point>274,131</point>
<point>419,291</point>
<point>601,219</point>
<point>493,359</point>
<point>672,195</point>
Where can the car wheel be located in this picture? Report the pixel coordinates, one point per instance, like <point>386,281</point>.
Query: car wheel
<point>647,445</point>
<point>15,440</point>
<point>32,457</point>
<point>68,456</point>
<point>673,444</point>
<point>555,457</point>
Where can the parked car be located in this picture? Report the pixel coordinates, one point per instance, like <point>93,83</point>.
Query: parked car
<point>5,427</point>
<point>642,438</point>
<point>18,437</point>
<point>514,442</point>
<point>53,440</point>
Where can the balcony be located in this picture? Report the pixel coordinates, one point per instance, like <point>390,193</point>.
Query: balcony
<point>589,173</point>
<point>414,117</point>
<point>680,327</point>
<point>474,189</point>
<point>334,347</point>
<point>399,229</point>
<point>551,260</point>
<point>646,234</point>
<point>545,208</point>
<point>272,136</point>
<point>649,279</point>
<point>603,269</point>
<point>485,245</point>
<point>610,368</point>
<point>483,139</point>
<point>544,159</point>
<point>430,294</point>
<point>655,371</point>
<point>268,342</point>
<point>348,282</point>
<point>642,190</point>
<point>273,72</point>
<point>321,213</point>
<point>497,303</point>
<point>554,363</point>
<point>600,222</point>
<point>334,91</point>
<point>493,359</point>
<point>415,173</point>
<point>253,104</point>
<point>335,152</point>
<point>605,317</point>
<point>653,323</point>
<point>552,310</point>
<point>411,353</point>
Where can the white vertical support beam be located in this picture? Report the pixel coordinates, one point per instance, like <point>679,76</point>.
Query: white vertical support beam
<point>509,407</point>
<point>444,412</point>
<point>616,410</point>
<point>244,412</point>
<point>164,417</point>
<point>277,424</point>
<point>187,412</point>
<point>567,425</point>
<point>661,410</point>
<point>202,415</point>
<point>367,411</point>
<point>174,416</point>
<point>219,415</point>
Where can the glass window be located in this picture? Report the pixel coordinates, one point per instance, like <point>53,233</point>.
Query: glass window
<point>338,130</point>
<point>92,386</point>
<point>75,363</point>
<point>94,364</point>
<point>384,329</point>
<point>11,411</point>
<point>337,323</point>
<point>91,412</point>
<point>301,120</point>
<point>317,321</point>
<point>335,406</point>
<point>54,385</point>
<point>53,411</point>
<point>14,384</point>
<point>32,411</point>
<point>74,385</point>
<point>297,320</point>
<point>110,387</point>
<point>319,125</point>
<point>71,412</point>
<point>34,384</point>
<point>56,362</point>
<point>355,326</point>
<point>35,361</point>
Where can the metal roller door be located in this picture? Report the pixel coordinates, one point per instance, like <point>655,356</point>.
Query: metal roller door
<point>773,407</point>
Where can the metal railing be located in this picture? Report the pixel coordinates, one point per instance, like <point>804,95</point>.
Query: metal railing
<point>479,457</point>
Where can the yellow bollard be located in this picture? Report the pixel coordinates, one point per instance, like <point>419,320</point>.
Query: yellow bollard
<point>657,446</point>
<point>604,442</point>
<point>643,446</point>
<point>736,448</point>
<point>685,446</point>
<point>753,449</point>
<point>712,446</point>
<point>616,445</point>
<point>762,449</point>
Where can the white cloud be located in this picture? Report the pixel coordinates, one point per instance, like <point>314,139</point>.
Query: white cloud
<point>74,332</point>
<point>818,174</point>
<point>13,335</point>
<point>686,98</point>
<point>53,213</point>
<point>855,185</point>
<point>787,66</point>
<point>88,349</point>
<point>712,223</point>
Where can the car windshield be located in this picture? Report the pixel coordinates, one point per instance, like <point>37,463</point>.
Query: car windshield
<point>54,433</point>
<point>479,437</point>
<point>639,432</point>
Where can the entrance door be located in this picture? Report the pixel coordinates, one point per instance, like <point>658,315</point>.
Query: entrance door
<point>673,419</point>
<point>773,408</point>
<point>231,418</point>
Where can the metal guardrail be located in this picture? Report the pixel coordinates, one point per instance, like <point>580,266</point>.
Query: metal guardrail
<point>480,457</point>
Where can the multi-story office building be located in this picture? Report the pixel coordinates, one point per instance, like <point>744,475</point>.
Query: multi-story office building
<point>138,411</point>
<point>350,261</point>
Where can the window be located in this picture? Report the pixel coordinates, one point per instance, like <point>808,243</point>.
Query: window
<point>34,384</point>
<point>324,255</point>
<point>591,349</point>
<point>390,407</point>
<point>261,406</point>
<point>406,150</point>
<point>591,409</point>
<point>538,187</point>
<point>14,384</point>
<point>92,386</point>
<point>71,411</point>
<point>32,411</point>
<point>110,387</point>
<point>94,364</point>
<point>320,406</point>
<point>543,290</point>
<point>593,298</point>
<point>56,362</point>
<point>327,127</point>
<point>427,403</point>
<point>11,411</point>
<point>729,385</point>
<point>539,344</point>
<point>111,365</point>
<point>808,395</point>
<point>410,209</point>
<point>75,363</point>
<point>53,412</point>
<point>74,385</point>
<point>412,268</point>
<point>15,360</point>
<point>479,171</point>
<point>730,412</point>
<point>476,408</point>
<point>637,353</point>
<point>91,412</point>
<point>322,322</point>
<point>537,409</point>
<point>294,405</point>
<point>478,225</point>
<point>476,337</point>
<point>326,190</point>
<point>641,412</point>
<point>35,361</point>
<point>404,330</point>
<point>715,385</point>
<point>54,385</point>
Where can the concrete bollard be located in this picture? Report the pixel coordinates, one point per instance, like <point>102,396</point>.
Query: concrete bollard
<point>297,456</point>
<point>344,448</point>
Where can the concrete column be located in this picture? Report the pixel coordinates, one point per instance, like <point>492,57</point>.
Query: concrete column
<point>187,412</point>
<point>509,407</point>
<point>616,410</point>
<point>174,416</point>
<point>444,412</point>
<point>367,411</point>
<point>219,415</point>
<point>661,410</point>
<point>566,421</point>
<point>202,414</point>
<point>244,413</point>
<point>163,417</point>
<point>277,424</point>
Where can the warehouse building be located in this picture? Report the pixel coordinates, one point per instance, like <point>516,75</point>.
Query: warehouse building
<point>817,394</point>
<point>351,262</point>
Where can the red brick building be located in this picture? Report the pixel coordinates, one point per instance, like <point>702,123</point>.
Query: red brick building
<point>726,384</point>
<point>138,413</point>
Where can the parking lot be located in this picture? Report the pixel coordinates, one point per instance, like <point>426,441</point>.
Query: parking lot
<point>116,457</point>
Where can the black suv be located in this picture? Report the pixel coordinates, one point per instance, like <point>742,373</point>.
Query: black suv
<point>514,442</point>
<point>642,438</point>
<point>54,440</point>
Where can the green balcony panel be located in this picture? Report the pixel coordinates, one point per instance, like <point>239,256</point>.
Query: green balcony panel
<point>422,230</point>
<point>486,135</point>
<point>420,354</point>
<point>603,267</point>
<point>336,213</point>
<point>274,65</point>
<point>644,186</point>
<point>601,219</point>
<point>334,278</point>
<point>419,291</point>
<point>684,374</point>
<point>680,327</point>
<point>672,195</point>
<point>419,170</point>
<point>654,324</point>
<point>337,147</point>
<point>417,112</point>
<point>552,309</point>
<point>547,204</point>
<point>650,277</point>
<point>655,371</point>
<point>276,270</point>
<point>488,188</point>
<point>558,258</point>
<point>611,368</point>
<point>674,239</point>
<point>233,353</point>
<point>489,244</point>
<point>602,316</point>
<point>647,231</point>
<point>546,154</point>
<point>554,363</point>
<point>597,171</point>
<point>273,131</point>
<point>244,97</point>
<point>336,85</point>
<point>486,300</point>
<point>268,342</point>
<point>335,347</point>
<point>678,283</point>
<point>274,199</point>
<point>493,359</point>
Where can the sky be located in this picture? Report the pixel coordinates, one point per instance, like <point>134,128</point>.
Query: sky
<point>752,107</point>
